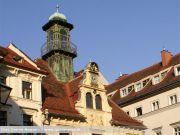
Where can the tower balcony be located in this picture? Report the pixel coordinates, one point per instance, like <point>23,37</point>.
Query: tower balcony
<point>58,46</point>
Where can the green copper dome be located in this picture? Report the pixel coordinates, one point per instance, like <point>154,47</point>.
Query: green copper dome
<point>57,15</point>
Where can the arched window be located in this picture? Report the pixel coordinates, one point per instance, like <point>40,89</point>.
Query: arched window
<point>98,102</point>
<point>63,38</point>
<point>89,101</point>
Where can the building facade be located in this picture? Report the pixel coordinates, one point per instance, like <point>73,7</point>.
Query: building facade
<point>21,74</point>
<point>152,95</point>
<point>47,91</point>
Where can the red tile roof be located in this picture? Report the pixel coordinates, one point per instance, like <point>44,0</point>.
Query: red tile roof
<point>60,98</point>
<point>119,117</point>
<point>148,89</point>
<point>9,58</point>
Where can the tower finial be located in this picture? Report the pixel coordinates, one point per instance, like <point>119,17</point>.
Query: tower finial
<point>57,8</point>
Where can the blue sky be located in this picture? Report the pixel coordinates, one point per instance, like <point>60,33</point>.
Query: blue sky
<point>120,35</point>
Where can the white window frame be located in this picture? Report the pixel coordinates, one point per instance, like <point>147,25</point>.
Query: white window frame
<point>176,71</point>
<point>169,99</point>
<point>175,125</point>
<point>136,114</point>
<point>152,106</point>
<point>160,76</point>
<point>157,131</point>
<point>124,94</point>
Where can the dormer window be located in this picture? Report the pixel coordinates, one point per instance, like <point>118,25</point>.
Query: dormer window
<point>123,92</point>
<point>163,74</point>
<point>156,79</point>
<point>138,86</point>
<point>145,82</point>
<point>130,88</point>
<point>177,70</point>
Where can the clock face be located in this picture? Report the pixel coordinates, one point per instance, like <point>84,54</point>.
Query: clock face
<point>94,79</point>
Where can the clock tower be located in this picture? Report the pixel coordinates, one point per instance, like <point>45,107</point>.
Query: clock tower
<point>59,51</point>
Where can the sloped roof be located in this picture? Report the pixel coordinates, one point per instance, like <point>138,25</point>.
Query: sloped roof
<point>149,89</point>
<point>11,58</point>
<point>119,117</point>
<point>57,96</point>
<point>60,98</point>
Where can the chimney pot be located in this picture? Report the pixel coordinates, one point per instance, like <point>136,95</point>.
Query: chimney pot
<point>166,57</point>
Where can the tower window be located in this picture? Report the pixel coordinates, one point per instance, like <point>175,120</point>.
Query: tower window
<point>98,102</point>
<point>63,38</point>
<point>27,90</point>
<point>89,101</point>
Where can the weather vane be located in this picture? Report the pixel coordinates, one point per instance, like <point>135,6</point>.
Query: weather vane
<point>57,8</point>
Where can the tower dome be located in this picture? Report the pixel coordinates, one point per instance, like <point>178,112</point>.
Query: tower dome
<point>57,15</point>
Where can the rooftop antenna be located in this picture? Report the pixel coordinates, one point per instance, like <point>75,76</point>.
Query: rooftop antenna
<point>57,8</point>
<point>164,48</point>
<point>90,60</point>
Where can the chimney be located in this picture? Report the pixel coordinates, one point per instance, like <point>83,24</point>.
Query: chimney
<point>166,57</point>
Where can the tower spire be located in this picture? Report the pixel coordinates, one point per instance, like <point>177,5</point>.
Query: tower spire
<point>57,8</point>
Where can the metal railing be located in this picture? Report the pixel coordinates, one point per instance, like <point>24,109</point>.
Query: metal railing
<point>58,45</point>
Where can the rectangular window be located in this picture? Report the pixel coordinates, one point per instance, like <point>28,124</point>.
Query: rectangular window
<point>173,99</point>
<point>64,133</point>
<point>155,105</point>
<point>123,92</point>
<point>156,79</point>
<point>178,70</point>
<point>3,79</point>
<point>3,118</point>
<point>177,130</point>
<point>139,111</point>
<point>138,86</point>
<point>27,120</point>
<point>27,90</point>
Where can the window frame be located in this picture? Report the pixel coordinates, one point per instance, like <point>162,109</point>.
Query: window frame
<point>89,106</point>
<point>170,101</point>
<point>98,106</point>
<point>136,112</point>
<point>3,119</point>
<point>153,108</point>
<point>176,72</point>
<point>26,91</point>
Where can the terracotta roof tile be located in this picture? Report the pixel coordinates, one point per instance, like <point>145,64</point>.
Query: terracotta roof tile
<point>119,117</point>
<point>148,89</point>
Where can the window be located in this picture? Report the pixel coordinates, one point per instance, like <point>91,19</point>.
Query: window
<point>163,74</point>
<point>158,133</point>
<point>63,38</point>
<point>3,118</point>
<point>123,92</point>
<point>139,111</point>
<point>98,102</point>
<point>178,70</point>
<point>156,79</point>
<point>138,86</point>
<point>3,79</point>
<point>177,130</point>
<point>145,82</point>
<point>127,112</point>
<point>27,120</point>
<point>64,134</point>
<point>155,105</point>
<point>130,88</point>
<point>89,102</point>
<point>173,99</point>
<point>27,90</point>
